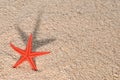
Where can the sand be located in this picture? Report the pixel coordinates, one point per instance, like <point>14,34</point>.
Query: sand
<point>82,35</point>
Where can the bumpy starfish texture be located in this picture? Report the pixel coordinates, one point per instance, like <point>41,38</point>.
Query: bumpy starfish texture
<point>27,54</point>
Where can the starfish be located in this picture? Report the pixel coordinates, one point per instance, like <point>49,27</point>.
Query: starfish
<point>27,54</point>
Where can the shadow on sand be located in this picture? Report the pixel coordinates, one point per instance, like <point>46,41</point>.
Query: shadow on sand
<point>36,43</point>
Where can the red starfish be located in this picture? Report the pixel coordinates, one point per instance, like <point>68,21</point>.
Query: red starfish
<point>27,54</point>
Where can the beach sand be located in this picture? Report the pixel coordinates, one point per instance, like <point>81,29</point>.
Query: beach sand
<point>83,37</point>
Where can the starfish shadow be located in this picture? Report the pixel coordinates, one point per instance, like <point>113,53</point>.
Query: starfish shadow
<point>36,43</point>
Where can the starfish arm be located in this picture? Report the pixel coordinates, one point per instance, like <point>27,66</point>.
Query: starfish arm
<point>35,54</point>
<point>20,51</point>
<point>32,63</point>
<point>29,45</point>
<point>19,61</point>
